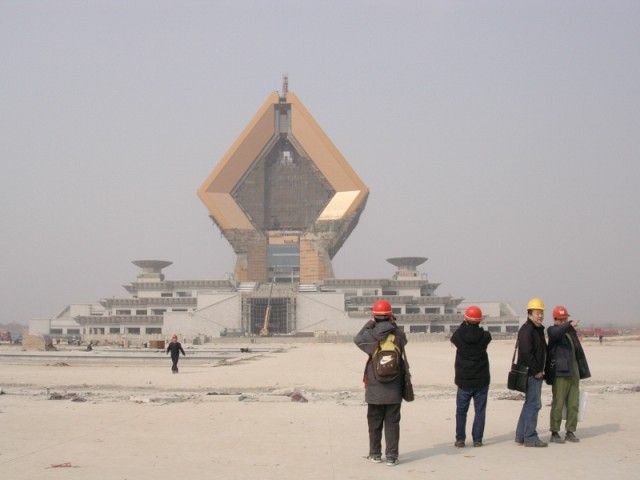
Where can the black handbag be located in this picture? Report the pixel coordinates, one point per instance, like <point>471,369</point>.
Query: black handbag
<point>407,386</point>
<point>519,375</point>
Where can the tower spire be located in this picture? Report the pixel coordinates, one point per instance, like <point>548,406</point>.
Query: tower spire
<point>285,87</point>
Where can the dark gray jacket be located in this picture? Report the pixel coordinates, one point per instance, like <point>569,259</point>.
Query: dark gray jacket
<point>367,340</point>
<point>561,356</point>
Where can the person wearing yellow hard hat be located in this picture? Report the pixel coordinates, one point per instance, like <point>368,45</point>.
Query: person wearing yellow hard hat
<point>566,366</point>
<point>532,352</point>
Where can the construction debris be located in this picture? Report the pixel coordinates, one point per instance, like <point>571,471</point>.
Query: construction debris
<point>627,388</point>
<point>140,399</point>
<point>162,400</point>
<point>62,465</point>
<point>297,396</point>
<point>74,397</point>
<point>38,342</point>
<point>508,395</point>
<point>246,397</point>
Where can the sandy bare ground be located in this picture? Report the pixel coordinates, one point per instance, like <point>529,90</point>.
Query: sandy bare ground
<point>228,415</point>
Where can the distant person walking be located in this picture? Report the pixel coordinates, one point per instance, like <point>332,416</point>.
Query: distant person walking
<point>532,352</point>
<point>566,366</point>
<point>383,342</point>
<point>175,348</point>
<point>471,375</point>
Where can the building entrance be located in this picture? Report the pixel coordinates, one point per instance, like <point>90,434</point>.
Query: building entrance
<point>278,320</point>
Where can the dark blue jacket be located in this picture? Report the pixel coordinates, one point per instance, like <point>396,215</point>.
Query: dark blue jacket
<point>560,356</point>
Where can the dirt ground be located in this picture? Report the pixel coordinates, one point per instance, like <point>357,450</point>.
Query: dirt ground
<point>230,414</point>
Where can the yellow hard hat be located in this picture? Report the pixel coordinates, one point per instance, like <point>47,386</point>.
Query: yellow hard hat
<point>535,304</point>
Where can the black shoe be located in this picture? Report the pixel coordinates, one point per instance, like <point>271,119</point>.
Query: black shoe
<point>375,458</point>
<point>459,443</point>
<point>555,438</point>
<point>392,461</point>
<point>571,437</point>
<point>477,444</point>
<point>535,443</point>
<point>519,441</point>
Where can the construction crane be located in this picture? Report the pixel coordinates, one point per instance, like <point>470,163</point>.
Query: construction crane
<point>264,331</point>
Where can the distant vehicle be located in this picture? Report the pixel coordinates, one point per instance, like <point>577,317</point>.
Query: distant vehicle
<point>17,340</point>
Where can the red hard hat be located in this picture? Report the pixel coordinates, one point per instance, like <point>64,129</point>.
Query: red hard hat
<point>473,314</point>
<point>560,313</point>
<point>381,307</point>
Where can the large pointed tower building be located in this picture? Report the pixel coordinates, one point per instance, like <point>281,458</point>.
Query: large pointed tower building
<point>286,200</point>
<point>284,196</point>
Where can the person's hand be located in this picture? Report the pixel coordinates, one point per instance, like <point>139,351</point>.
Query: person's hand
<point>539,375</point>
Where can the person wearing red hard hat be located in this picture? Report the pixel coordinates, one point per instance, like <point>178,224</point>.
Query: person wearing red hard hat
<point>383,394</point>
<point>175,347</point>
<point>471,375</point>
<point>566,366</point>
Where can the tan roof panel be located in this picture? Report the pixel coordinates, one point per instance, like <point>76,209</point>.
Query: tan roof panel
<point>339,205</point>
<point>237,160</point>
<point>226,211</point>
<point>321,149</point>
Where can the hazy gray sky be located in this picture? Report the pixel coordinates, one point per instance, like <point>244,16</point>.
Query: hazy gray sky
<point>499,139</point>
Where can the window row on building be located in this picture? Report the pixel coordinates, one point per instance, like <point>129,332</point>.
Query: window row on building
<point>107,331</point>
<point>152,311</point>
<point>453,328</point>
<point>402,310</point>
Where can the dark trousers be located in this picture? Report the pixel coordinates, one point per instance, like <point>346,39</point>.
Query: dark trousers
<point>174,361</point>
<point>463,400</point>
<point>387,416</point>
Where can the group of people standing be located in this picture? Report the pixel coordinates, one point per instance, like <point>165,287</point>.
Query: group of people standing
<point>561,363</point>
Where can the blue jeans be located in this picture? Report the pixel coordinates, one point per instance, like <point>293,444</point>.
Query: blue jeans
<point>526,429</point>
<point>463,399</point>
